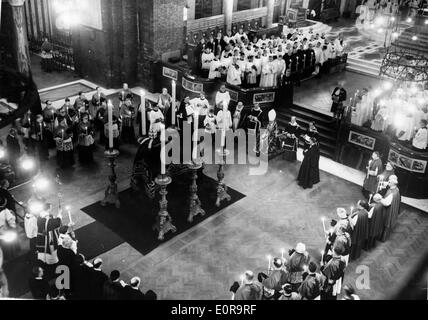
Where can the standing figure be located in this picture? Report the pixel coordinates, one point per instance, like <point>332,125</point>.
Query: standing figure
<point>338,96</point>
<point>81,104</point>
<point>127,114</point>
<point>270,136</point>
<point>85,140</point>
<point>7,224</point>
<point>165,101</point>
<point>49,120</point>
<point>47,237</point>
<point>291,142</point>
<point>234,73</point>
<point>38,140</point>
<point>47,56</point>
<point>100,120</point>
<point>376,222</point>
<point>391,203</point>
<point>222,96</point>
<point>64,147</point>
<point>299,259</point>
<point>97,99</point>
<point>253,125</point>
<point>268,74</point>
<point>309,174</point>
<point>251,72</point>
<point>156,119</point>
<point>360,229</point>
<point>333,271</point>
<point>124,94</point>
<point>373,170</point>
<point>237,116</point>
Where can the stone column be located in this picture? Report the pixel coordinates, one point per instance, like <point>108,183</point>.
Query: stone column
<point>22,53</point>
<point>228,14</point>
<point>270,9</point>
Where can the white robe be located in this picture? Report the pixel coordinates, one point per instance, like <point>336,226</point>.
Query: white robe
<point>420,140</point>
<point>234,75</point>
<point>214,74</point>
<point>153,116</point>
<point>222,97</point>
<point>268,75</point>
<point>207,59</point>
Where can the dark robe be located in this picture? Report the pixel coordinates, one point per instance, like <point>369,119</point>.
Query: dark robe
<point>132,294</point>
<point>309,174</point>
<point>47,238</point>
<point>97,279</point>
<point>376,225</point>
<point>81,282</point>
<point>113,290</point>
<point>360,234</point>
<point>371,182</point>
<point>291,143</point>
<point>13,149</point>
<point>391,212</point>
<point>296,269</point>
<point>311,287</point>
<point>85,142</point>
<point>338,96</point>
<point>39,288</point>
<point>333,271</point>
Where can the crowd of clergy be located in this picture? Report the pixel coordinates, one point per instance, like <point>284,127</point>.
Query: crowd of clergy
<point>249,61</point>
<point>304,277</point>
<point>401,112</point>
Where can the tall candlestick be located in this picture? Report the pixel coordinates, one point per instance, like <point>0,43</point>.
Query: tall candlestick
<point>223,133</point>
<point>143,113</point>
<point>41,131</point>
<point>110,125</point>
<point>269,261</point>
<point>282,254</point>
<point>163,155</point>
<point>174,101</point>
<point>62,134</point>
<point>195,134</point>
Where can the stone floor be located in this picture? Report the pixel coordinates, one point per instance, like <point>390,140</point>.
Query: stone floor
<point>203,262</point>
<point>276,214</point>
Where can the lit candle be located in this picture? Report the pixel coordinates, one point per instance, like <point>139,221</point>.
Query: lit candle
<point>352,209</point>
<point>143,112</point>
<point>163,155</point>
<point>242,279</point>
<point>282,254</point>
<point>69,215</point>
<point>269,262</point>
<point>174,101</point>
<point>110,124</point>
<point>323,224</point>
<point>62,134</point>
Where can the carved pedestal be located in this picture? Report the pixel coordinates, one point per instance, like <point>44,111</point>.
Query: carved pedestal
<point>195,208</point>
<point>164,221</point>
<point>221,186</point>
<point>111,194</point>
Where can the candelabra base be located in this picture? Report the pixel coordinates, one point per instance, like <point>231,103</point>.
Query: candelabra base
<point>163,223</point>
<point>195,203</point>
<point>222,194</point>
<point>111,193</point>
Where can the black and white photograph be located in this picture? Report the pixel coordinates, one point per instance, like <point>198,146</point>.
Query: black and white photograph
<point>205,157</point>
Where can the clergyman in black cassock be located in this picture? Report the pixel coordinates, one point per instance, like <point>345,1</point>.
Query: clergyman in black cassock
<point>376,222</point>
<point>309,174</point>
<point>360,233</point>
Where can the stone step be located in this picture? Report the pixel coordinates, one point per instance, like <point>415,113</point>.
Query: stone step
<point>363,71</point>
<point>364,62</point>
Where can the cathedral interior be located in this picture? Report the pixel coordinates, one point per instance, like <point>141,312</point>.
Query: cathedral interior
<point>317,111</point>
